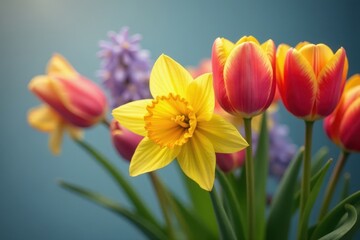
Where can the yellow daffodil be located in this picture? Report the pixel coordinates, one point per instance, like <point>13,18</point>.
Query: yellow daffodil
<point>43,118</point>
<point>179,123</point>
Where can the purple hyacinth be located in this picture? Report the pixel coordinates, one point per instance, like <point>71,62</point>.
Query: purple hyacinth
<point>281,149</point>
<point>125,67</point>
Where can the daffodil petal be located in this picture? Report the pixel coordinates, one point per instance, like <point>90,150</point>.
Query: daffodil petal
<point>224,136</point>
<point>59,66</point>
<point>131,115</point>
<point>43,118</point>
<point>197,160</point>
<point>149,156</point>
<point>168,76</point>
<point>201,96</point>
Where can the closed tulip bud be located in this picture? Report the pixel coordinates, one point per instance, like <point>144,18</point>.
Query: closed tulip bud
<point>244,75</point>
<point>230,161</point>
<point>124,141</point>
<point>310,79</point>
<point>343,125</point>
<point>77,99</point>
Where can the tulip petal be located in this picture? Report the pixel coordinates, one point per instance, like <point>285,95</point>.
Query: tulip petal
<point>350,127</point>
<point>299,87</point>
<point>92,100</point>
<point>167,76</point>
<point>46,88</point>
<point>131,115</point>
<point>269,48</point>
<point>201,96</point>
<point>301,44</point>
<point>224,136</point>
<point>197,160</point>
<point>317,56</point>
<point>74,132</point>
<point>247,39</point>
<point>332,128</point>
<point>56,139</point>
<point>331,82</point>
<point>59,66</point>
<point>249,79</point>
<point>43,118</point>
<point>220,52</point>
<point>280,64</point>
<point>354,81</point>
<point>149,156</point>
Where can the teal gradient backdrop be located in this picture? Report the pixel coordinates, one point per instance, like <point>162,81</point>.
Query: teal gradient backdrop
<point>32,206</point>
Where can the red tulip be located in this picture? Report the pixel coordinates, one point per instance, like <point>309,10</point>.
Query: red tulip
<point>230,161</point>
<point>125,141</point>
<point>343,125</point>
<point>310,79</point>
<point>75,98</point>
<point>244,75</point>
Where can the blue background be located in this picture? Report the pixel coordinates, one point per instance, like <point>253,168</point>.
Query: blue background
<point>32,206</point>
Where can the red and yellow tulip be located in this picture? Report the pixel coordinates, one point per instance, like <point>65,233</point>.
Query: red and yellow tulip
<point>343,125</point>
<point>244,75</point>
<point>75,98</point>
<point>310,78</point>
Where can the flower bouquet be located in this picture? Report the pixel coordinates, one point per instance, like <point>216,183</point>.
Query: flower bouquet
<point>167,113</point>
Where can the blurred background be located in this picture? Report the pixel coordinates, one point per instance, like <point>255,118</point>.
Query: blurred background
<point>32,205</point>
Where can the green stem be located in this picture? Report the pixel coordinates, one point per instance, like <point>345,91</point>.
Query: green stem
<point>250,194</point>
<point>305,181</point>
<point>163,201</point>
<point>332,183</point>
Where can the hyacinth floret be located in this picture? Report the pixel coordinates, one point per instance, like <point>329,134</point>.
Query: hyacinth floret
<point>125,67</point>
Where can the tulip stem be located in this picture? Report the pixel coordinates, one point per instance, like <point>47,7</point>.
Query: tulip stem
<point>305,181</point>
<point>250,194</point>
<point>332,183</point>
<point>163,202</point>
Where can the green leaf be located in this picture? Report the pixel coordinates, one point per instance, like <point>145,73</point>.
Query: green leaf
<point>192,227</point>
<point>261,162</point>
<point>331,220</point>
<point>200,203</point>
<point>226,230</point>
<point>240,190</point>
<point>318,160</point>
<point>311,200</point>
<point>345,226</point>
<point>120,180</point>
<point>151,230</point>
<point>230,197</point>
<point>346,187</point>
<point>279,219</point>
